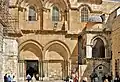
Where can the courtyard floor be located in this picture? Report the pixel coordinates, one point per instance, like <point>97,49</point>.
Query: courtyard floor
<point>49,81</point>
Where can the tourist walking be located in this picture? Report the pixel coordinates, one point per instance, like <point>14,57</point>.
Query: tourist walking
<point>28,78</point>
<point>9,78</point>
<point>33,79</point>
<point>5,78</point>
<point>13,80</point>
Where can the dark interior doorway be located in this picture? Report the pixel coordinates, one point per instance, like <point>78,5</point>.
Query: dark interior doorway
<point>32,68</point>
<point>98,50</point>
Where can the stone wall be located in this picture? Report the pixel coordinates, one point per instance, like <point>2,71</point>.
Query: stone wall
<point>115,42</point>
<point>1,53</point>
<point>10,57</point>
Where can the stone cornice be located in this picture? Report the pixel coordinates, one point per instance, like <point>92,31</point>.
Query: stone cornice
<point>43,32</point>
<point>98,2</point>
<point>13,34</point>
<point>71,35</point>
<point>77,9</point>
<point>13,6</point>
<point>94,32</point>
<point>98,58</point>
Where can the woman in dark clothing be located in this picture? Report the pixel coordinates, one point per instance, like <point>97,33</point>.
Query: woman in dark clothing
<point>5,78</point>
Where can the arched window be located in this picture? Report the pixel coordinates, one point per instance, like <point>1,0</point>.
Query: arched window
<point>32,14</point>
<point>98,50</point>
<point>84,14</point>
<point>55,14</point>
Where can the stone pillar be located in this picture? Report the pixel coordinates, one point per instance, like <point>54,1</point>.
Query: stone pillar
<point>1,68</point>
<point>21,71</point>
<point>69,68</point>
<point>41,70</point>
<point>45,70</point>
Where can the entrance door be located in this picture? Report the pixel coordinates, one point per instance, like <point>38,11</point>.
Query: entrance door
<point>32,67</point>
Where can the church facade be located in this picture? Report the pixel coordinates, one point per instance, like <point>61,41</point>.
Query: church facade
<point>55,36</point>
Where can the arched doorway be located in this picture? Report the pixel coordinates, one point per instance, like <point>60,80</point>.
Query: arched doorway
<point>56,61</point>
<point>99,72</point>
<point>98,49</point>
<point>30,59</point>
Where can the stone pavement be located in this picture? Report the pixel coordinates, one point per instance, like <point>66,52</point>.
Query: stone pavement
<point>54,81</point>
<point>50,81</point>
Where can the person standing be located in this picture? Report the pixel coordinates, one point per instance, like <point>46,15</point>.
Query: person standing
<point>33,79</point>
<point>28,78</point>
<point>106,80</point>
<point>5,78</point>
<point>14,80</point>
<point>9,78</point>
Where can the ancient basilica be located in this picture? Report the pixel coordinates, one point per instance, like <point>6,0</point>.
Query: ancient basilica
<point>55,39</point>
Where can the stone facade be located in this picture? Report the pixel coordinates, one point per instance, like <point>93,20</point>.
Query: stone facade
<point>1,52</point>
<point>8,47</point>
<point>53,45</point>
<point>115,44</point>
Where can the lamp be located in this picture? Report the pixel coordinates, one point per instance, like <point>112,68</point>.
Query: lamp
<point>55,25</point>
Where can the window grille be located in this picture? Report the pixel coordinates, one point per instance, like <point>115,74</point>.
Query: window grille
<point>32,14</point>
<point>84,14</point>
<point>55,14</point>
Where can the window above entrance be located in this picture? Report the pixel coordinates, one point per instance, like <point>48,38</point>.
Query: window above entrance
<point>32,14</point>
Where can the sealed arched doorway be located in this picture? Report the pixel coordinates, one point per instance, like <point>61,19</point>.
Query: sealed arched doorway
<point>30,59</point>
<point>98,49</point>
<point>56,61</point>
<point>99,73</point>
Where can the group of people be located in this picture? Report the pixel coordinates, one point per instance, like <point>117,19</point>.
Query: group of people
<point>9,78</point>
<point>32,78</point>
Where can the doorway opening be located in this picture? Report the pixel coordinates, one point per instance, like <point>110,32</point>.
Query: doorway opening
<point>32,68</point>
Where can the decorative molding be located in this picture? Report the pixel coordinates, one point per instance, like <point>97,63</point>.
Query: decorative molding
<point>98,58</point>
<point>71,35</point>
<point>43,31</point>
<point>94,32</point>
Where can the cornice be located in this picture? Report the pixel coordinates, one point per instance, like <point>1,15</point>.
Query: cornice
<point>43,32</point>
<point>13,34</point>
<point>94,32</point>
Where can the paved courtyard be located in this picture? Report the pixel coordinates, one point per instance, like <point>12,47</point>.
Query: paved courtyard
<point>49,81</point>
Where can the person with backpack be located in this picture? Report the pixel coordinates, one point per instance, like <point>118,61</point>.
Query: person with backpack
<point>28,78</point>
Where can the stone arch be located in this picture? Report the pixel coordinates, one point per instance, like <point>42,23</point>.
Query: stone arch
<point>30,58</point>
<point>32,46</point>
<point>99,72</point>
<point>61,4</point>
<point>57,54</point>
<point>100,65</point>
<point>36,2</point>
<point>105,44</point>
<point>88,10</point>
<point>85,5</point>
<point>101,37</point>
<point>98,48</point>
<point>59,43</point>
<point>30,41</point>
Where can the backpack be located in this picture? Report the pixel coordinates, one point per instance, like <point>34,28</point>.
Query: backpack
<point>28,77</point>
